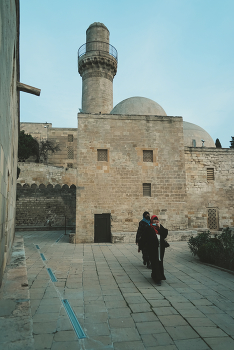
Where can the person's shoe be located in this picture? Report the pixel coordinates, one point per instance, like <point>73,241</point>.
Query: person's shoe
<point>149,266</point>
<point>158,283</point>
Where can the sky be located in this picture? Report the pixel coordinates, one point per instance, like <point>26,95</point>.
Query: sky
<point>178,53</point>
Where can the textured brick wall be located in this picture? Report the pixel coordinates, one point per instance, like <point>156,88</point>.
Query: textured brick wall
<point>115,186</point>
<point>202,193</point>
<point>37,204</point>
<point>97,94</point>
<point>58,135</point>
<point>34,173</point>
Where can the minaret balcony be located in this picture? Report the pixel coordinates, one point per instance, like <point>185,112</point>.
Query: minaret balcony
<point>97,48</point>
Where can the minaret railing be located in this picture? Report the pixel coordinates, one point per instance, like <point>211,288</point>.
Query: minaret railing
<point>100,46</point>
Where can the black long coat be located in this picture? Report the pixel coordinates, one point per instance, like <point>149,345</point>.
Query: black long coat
<point>151,240</point>
<point>140,240</point>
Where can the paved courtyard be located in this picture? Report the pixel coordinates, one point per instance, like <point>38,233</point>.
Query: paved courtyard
<point>114,300</point>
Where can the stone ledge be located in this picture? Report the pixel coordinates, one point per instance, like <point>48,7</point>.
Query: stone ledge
<point>42,228</point>
<point>173,236</point>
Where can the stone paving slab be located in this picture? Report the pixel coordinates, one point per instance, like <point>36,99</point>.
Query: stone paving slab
<point>15,313</point>
<point>114,299</point>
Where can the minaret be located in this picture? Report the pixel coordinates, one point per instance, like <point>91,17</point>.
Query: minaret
<point>97,64</point>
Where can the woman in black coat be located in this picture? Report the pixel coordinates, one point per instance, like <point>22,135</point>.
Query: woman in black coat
<point>155,241</point>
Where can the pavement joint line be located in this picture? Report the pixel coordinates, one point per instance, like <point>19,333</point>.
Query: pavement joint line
<point>111,346</point>
<point>42,256</point>
<point>57,240</point>
<point>74,321</point>
<point>51,274</point>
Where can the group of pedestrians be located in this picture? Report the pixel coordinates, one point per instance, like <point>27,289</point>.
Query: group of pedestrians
<point>150,239</point>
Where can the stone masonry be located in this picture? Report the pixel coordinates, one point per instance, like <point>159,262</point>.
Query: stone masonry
<point>9,121</point>
<point>202,193</point>
<point>34,173</point>
<point>97,67</point>
<point>37,204</point>
<point>66,138</point>
<point>116,186</point>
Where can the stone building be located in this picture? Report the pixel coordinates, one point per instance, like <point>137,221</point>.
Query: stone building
<point>9,116</point>
<point>10,87</point>
<point>134,157</point>
<point>66,138</point>
<point>48,189</point>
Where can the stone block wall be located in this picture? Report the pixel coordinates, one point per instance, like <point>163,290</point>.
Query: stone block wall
<point>34,173</point>
<point>203,194</point>
<point>9,122</point>
<point>67,155</point>
<point>37,204</point>
<point>97,93</point>
<point>116,186</point>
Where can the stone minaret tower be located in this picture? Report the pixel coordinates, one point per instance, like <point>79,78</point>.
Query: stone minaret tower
<point>97,64</point>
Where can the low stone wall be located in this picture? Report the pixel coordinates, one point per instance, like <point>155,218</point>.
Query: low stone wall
<point>173,236</point>
<point>45,205</point>
<point>34,173</point>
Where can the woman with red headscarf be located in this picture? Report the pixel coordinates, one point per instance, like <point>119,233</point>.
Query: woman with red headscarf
<point>156,248</point>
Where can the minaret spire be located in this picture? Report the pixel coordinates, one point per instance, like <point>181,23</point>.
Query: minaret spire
<point>97,64</point>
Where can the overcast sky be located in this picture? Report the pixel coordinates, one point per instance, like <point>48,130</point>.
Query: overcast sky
<point>179,53</point>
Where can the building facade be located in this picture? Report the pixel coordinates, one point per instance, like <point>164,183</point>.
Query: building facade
<point>134,157</point>
<point>66,138</point>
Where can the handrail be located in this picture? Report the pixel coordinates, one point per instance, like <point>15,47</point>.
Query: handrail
<point>98,46</point>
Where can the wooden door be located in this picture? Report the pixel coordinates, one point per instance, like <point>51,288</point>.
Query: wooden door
<point>102,231</point>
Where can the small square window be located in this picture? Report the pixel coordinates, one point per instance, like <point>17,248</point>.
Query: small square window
<point>146,190</point>
<point>70,165</point>
<point>210,174</point>
<point>147,156</point>
<point>70,138</point>
<point>102,155</point>
<point>70,153</point>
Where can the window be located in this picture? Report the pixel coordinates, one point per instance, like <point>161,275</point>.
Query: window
<point>212,219</point>
<point>70,138</point>
<point>147,156</point>
<point>70,153</point>
<point>70,165</point>
<point>194,143</point>
<point>210,174</point>
<point>146,190</point>
<point>102,155</point>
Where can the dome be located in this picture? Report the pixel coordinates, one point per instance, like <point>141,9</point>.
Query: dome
<point>138,106</point>
<point>97,24</point>
<point>195,132</point>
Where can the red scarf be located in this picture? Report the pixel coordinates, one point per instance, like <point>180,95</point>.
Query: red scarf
<point>151,224</point>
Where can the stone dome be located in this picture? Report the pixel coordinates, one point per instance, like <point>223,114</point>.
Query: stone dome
<point>195,132</point>
<point>138,106</point>
<point>97,24</point>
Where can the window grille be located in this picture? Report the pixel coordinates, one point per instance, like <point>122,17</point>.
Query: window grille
<point>70,153</point>
<point>210,174</point>
<point>70,165</point>
<point>212,219</point>
<point>70,138</point>
<point>146,190</point>
<point>147,156</point>
<point>102,155</point>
